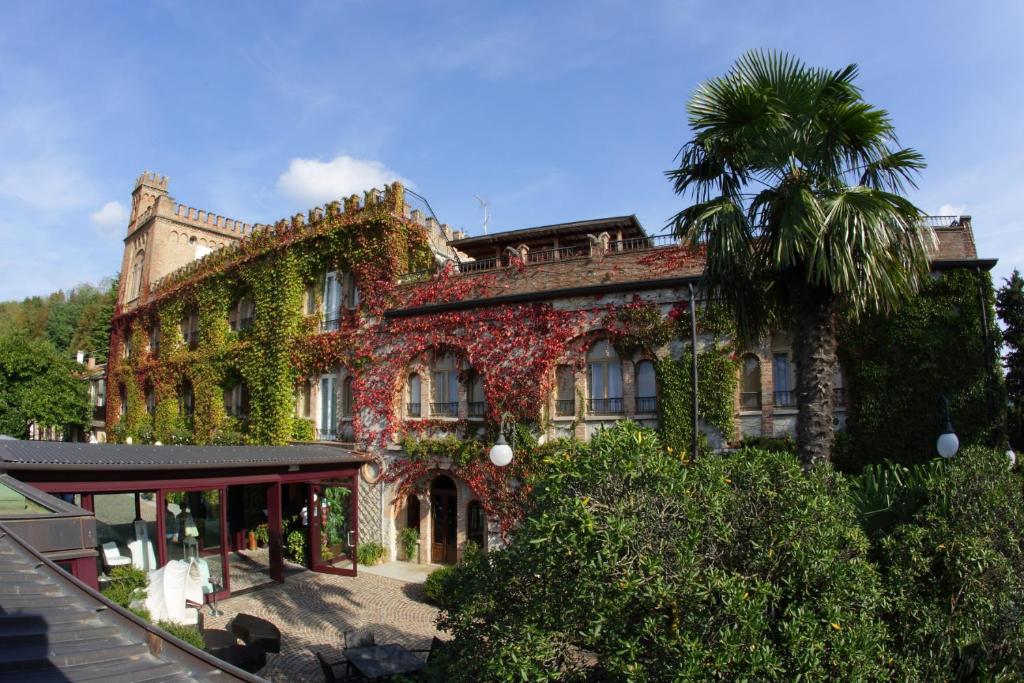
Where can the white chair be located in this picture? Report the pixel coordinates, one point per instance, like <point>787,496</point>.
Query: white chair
<point>112,557</point>
<point>143,556</point>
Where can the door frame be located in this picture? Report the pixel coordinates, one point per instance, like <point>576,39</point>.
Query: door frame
<point>348,567</point>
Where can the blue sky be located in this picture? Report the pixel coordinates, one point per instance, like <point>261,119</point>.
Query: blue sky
<point>551,110</point>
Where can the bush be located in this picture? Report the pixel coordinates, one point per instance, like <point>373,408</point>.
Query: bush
<point>303,430</point>
<point>774,444</point>
<point>125,581</point>
<point>955,573</point>
<point>370,553</point>
<point>295,546</point>
<point>190,634</point>
<point>733,568</point>
<point>409,540</point>
<point>438,587</point>
<point>262,534</point>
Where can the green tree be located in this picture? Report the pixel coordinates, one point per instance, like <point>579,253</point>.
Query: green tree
<point>1010,305</point>
<point>38,385</point>
<point>632,566</point>
<point>796,183</point>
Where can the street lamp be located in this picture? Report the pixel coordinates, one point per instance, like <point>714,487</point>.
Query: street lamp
<point>948,443</point>
<point>501,452</point>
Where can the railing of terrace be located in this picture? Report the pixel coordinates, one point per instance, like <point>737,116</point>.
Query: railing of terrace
<point>444,409</point>
<point>604,406</point>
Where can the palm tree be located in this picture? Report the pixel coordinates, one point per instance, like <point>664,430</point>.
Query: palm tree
<point>796,183</point>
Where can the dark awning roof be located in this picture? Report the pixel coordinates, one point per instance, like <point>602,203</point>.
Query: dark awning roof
<point>74,456</point>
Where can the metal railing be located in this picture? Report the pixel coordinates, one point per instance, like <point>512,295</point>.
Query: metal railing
<point>643,243</point>
<point>785,399</point>
<point>604,406</point>
<point>327,435</point>
<point>565,407</point>
<point>330,325</point>
<point>481,264</point>
<point>839,396</point>
<point>548,255</point>
<point>646,404</point>
<point>941,221</point>
<point>444,409</point>
<point>750,400</point>
<point>412,409</point>
<point>477,408</point>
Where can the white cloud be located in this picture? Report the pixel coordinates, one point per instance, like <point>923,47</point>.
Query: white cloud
<point>314,181</point>
<point>111,219</point>
<point>952,210</point>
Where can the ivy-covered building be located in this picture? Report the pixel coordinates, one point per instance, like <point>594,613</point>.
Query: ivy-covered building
<point>368,325</point>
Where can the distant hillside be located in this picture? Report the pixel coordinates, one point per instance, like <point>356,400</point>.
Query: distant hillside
<point>76,320</point>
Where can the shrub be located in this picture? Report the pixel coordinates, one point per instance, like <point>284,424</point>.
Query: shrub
<point>295,546</point>
<point>438,587</point>
<point>955,573</point>
<point>370,553</point>
<point>190,634</point>
<point>125,581</point>
<point>303,430</point>
<point>774,444</point>
<point>743,567</point>
<point>409,540</point>
<point>262,533</point>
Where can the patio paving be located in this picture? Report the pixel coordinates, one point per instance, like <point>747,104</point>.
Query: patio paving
<point>313,610</point>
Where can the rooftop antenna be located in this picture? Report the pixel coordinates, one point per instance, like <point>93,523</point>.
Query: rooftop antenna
<point>486,206</point>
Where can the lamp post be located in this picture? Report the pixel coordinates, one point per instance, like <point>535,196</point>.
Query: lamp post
<point>948,443</point>
<point>501,452</point>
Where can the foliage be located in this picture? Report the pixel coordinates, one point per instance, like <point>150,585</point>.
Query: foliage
<point>638,327</point>
<point>954,574</point>
<point>409,542</point>
<point>262,533</point>
<point>438,586</point>
<point>737,568</point>
<point>887,494</point>
<point>38,385</point>
<point>295,546</point>
<point>898,366</point>
<point>370,553</point>
<point>127,584</point>
<point>775,444</point>
<point>189,634</point>
<point>717,378</point>
<point>796,182</point>
<point>303,430</point>
<point>1010,304</point>
<point>460,452</point>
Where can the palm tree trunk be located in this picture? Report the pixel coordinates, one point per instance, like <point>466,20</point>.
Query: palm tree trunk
<point>814,354</point>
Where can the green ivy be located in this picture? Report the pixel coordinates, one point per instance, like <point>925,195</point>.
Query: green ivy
<point>460,452</point>
<point>717,378</point>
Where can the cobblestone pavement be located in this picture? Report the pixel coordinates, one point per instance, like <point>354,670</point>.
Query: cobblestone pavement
<point>313,610</point>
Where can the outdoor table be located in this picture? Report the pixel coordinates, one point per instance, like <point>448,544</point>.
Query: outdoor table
<point>380,661</point>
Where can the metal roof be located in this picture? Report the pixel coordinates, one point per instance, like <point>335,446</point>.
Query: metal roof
<point>16,455</point>
<point>555,229</point>
<point>53,627</point>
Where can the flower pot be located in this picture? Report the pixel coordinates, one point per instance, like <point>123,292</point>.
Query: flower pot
<point>252,541</point>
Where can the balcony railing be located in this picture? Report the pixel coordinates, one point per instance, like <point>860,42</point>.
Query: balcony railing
<point>330,324</point>
<point>750,400</point>
<point>839,396</point>
<point>477,408</point>
<point>565,407</point>
<point>445,409</point>
<point>412,409</point>
<point>326,435</point>
<point>571,252</point>
<point>99,413</point>
<point>604,406</point>
<point>785,399</point>
<point>646,404</point>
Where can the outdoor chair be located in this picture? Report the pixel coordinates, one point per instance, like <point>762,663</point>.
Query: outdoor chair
<point>331,670</point>
<point>360,638</point>
<point>112,557</point>
<point>143,556</point>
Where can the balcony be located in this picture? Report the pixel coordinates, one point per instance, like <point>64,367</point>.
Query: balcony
<point>646,404</point>
<point>604,406</point>
<point>444,409</point>
<point>785,399</point>
<point>326,435</point>
<point>750,400</point>
<point>839,397</point>
<point>477,408</point>
<point>330,324</point>
<point>412,409</point>
<point>565,407</point>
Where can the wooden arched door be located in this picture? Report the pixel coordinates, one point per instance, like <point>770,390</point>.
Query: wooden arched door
<point>445,523</point>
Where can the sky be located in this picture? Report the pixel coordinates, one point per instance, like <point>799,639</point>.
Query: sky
<point>551,111</point>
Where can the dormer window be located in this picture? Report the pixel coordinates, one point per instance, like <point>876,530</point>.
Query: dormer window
<point>241,315</point>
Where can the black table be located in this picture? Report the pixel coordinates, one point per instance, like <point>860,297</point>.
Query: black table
<point>255,631</point>
<point>380,661</point>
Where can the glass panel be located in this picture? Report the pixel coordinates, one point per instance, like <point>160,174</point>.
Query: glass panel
<point>597,385</point>
<point>335,524</point>
<point>437,502</point>
<point>328,408</point>
<point>193,531</point>
<point>614,380</point>
<point>645,384</point>
<point>566,383</point>
<point>414,389</point>
<point>136,538</point>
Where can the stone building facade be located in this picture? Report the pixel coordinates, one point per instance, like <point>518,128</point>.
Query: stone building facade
<point>514,322</point>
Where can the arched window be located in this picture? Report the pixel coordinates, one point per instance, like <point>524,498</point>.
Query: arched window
<point>565,390</point>
<point>135,283</point>
<point>646,387</point>
<point>475,395</point>
<point>413,408</point>
<point>445,386</point>
<point>190,327</point>
<point>605,380</point>
<point>475,523</point>
<point>241,314</point>
<point>750,383</point>
<point>346,397</point>
<point>236,401</point>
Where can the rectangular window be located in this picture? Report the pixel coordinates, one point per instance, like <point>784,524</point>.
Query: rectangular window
<point>305,399</point>
<point>328,427</point>
<point>782,378</point>
<point>565,387</point>
<point>332,302</point>
<point>605,387</point>
<point>351,292</point>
